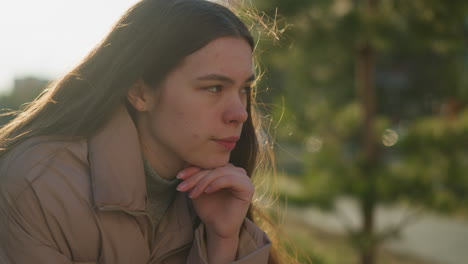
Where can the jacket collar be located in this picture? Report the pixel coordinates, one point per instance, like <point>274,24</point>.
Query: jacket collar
<point>116,163</point>
<point>175,230</point>
<point>118,183</point>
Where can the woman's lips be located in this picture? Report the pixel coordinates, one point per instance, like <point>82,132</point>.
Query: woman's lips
<point>229,143</point>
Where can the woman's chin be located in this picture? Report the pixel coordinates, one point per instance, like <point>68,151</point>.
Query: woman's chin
<point>210,164</point>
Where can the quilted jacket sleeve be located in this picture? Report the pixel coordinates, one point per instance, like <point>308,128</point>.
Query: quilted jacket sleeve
<point>254,246</point>
<point>24,235</point>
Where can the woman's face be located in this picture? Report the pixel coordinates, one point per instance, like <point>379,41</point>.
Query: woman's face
<point>196,115</point>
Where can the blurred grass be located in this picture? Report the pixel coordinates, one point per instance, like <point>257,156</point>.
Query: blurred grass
<point>316,246</point>
<point>313,245</point>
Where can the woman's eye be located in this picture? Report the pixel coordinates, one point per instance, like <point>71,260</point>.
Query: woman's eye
<point>246,90</point>
<point>214,88</point>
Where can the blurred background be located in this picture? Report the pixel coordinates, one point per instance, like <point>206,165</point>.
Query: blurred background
<point>367,109</point>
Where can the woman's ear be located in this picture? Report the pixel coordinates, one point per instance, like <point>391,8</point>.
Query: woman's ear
<point>139,96</point>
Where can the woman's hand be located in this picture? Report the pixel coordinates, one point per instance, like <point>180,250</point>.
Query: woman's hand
<point>221,197</point>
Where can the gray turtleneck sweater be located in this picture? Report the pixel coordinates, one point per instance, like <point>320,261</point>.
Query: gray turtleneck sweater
<point>161,193</point>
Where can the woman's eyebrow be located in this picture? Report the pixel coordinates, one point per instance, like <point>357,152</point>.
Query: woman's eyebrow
<point>222,78</point>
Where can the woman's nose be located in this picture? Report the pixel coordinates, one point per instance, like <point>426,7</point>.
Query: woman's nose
<point>236,111</point>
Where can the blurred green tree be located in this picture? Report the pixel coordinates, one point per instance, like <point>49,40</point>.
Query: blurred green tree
<point>24,90</point>
<point>373,95</point>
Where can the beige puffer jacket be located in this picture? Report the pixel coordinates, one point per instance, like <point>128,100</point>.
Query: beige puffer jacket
<point>84,201</point>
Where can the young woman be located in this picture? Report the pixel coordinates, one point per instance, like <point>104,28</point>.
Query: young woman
<point>143,153</point>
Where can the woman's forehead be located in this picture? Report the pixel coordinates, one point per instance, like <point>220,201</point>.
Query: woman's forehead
<point>230,57</point>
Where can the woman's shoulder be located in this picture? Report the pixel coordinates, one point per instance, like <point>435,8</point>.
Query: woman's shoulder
<point>44,160</point>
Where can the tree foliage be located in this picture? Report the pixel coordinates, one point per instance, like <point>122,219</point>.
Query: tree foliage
<point>420,79</point>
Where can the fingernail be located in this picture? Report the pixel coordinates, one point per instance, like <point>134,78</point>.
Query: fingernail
<point>180,175</point>
<point>208,189</point>
<point>181,186</point>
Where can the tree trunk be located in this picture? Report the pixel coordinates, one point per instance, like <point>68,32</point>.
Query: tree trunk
<point>365,79</point>
<point>365,74</point>
<point>368,246</point>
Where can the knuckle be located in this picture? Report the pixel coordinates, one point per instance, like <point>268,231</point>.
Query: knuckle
<point>250,187</point>
<point>215,184</point>
<point>242,170</point>
<point>192,180</point>
<point>222,171</point>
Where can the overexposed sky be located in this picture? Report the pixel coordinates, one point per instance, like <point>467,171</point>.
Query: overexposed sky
<point>45,38</point>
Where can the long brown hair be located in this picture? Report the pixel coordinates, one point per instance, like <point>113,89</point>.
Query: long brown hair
<point>149,41</point>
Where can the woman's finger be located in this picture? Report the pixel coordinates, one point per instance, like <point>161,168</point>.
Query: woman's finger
<point>191,179</point>
<point>207,179</point>
<point>231,178</point>
<point>242,189</point>
<point>187,172</point>
<point>240,169</point>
